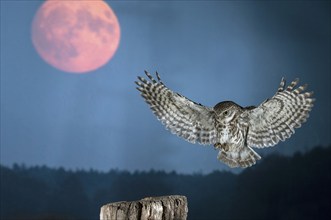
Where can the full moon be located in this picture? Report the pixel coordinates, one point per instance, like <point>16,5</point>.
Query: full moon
<point>75,36</point>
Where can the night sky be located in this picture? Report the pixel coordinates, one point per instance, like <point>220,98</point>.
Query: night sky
<point>209,51</point>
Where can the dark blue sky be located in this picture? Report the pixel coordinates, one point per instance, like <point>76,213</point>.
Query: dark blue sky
<point>209,51</point>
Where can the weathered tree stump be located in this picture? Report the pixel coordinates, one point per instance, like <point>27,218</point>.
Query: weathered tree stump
<point>150,208</point>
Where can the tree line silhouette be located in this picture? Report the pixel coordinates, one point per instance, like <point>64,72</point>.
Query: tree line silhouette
<point>280,187</point>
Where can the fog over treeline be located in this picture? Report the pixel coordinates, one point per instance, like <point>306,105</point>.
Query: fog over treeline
<point>280,187</point>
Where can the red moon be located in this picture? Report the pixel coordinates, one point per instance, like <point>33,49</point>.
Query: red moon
<point>75,36</point>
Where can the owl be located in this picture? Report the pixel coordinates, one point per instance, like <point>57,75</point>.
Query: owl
<point>232,129</point>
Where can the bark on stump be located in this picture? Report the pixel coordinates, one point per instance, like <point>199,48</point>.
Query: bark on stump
<point>150,208</point>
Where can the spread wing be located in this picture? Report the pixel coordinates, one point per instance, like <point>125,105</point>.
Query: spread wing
<point>275,119</point>
<point>189,120</point>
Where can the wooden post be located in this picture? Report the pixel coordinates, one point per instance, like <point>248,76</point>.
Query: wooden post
<point>150,208</point>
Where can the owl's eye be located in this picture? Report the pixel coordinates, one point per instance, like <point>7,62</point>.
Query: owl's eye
<point>226,113</point>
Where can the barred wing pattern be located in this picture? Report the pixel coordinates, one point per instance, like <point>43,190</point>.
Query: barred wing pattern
<point>275,119</point>
<point>189,120</point>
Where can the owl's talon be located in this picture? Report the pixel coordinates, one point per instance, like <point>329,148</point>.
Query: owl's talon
<point>217,145</point>
<point>223,147</point>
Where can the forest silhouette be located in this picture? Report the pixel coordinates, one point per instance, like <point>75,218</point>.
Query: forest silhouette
<point>280,187</point>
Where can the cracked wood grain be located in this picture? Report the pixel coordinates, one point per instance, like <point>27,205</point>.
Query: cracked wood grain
<point>172,207</point>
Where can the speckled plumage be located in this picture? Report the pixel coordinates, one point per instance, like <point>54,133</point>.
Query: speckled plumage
<point>232,129</point>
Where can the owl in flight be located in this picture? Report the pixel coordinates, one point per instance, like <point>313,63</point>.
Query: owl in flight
<point>232,129</point>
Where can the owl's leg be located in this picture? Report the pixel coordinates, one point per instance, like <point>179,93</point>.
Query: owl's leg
<point>239,156</point>
<point>223,147</point>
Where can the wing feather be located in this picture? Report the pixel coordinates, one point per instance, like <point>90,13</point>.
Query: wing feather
<point>276,119</point>
<point>183,117</point>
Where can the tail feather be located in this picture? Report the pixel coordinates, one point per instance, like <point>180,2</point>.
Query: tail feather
<point>243,157</point>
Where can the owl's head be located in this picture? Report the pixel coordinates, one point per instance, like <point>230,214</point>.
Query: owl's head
<point>227,111</point>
